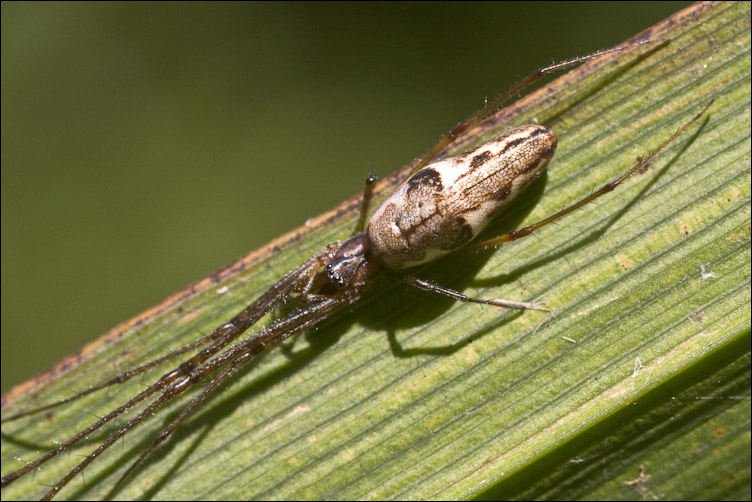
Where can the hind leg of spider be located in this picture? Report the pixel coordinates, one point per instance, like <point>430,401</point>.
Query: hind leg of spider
<point>493,105</point>
<point>432,287</point>
<point>516,234</point>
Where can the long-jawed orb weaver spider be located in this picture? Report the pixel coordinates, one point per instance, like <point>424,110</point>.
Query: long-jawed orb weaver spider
<point>438,209</point>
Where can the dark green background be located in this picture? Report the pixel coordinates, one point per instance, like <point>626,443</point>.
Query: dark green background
<point>146,145</point>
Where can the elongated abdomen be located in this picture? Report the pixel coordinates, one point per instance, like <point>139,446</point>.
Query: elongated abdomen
<point>446,204</point>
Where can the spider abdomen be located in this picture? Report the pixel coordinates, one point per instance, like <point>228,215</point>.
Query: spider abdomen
<point>446,204</point>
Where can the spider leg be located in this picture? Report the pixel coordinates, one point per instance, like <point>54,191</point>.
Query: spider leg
<point>493,105</point>
<point>222,336</point>
<point>432,287</point>
<point>516,234</point>
<point>226,333</point>
<point>367,196</point>
<point>234,357</point>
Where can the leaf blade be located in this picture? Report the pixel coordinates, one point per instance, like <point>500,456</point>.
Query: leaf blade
<point>424,413</point>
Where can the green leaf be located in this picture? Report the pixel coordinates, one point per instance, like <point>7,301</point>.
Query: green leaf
<point>686,439</point>
<point>419,397</point>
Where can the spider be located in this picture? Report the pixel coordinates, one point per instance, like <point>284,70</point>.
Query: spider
<point>439,208</point>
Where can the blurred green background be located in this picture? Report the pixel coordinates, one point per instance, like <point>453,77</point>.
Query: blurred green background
<point>146,145</point>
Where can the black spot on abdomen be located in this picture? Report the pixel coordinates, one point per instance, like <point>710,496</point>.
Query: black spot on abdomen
<point>425,179</point>
<point>479,160</point>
